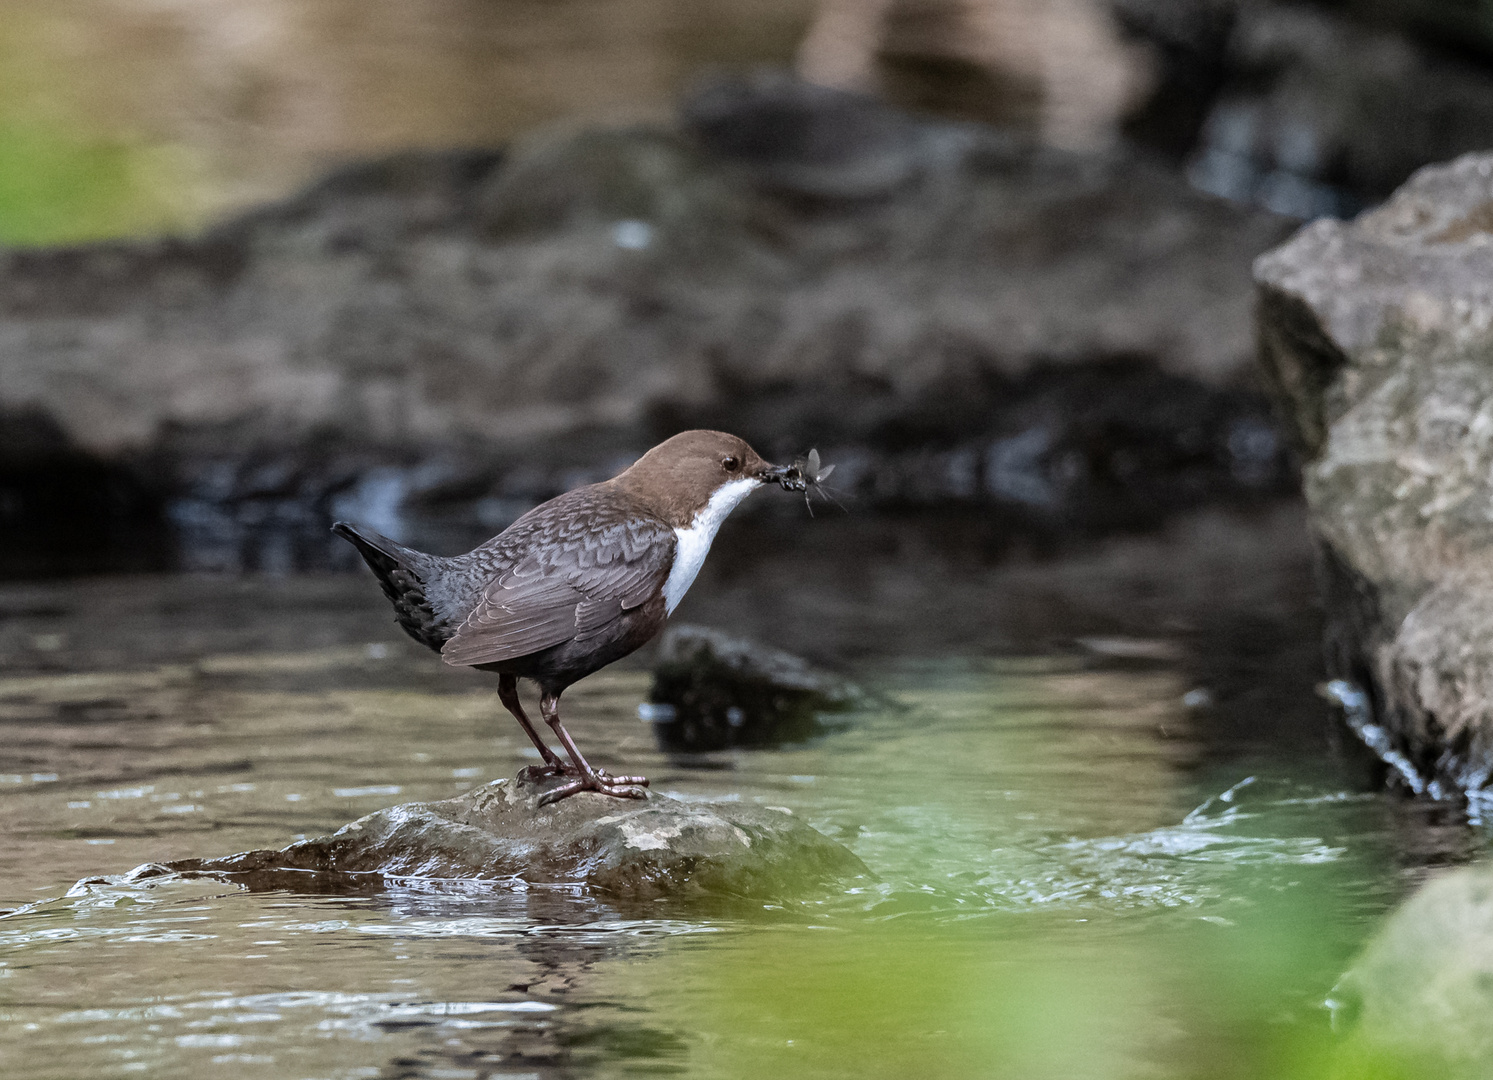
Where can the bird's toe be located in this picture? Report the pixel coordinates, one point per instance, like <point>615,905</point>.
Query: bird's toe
<point>562,792</point>
<point>621,781</point>
<point>622,791</point>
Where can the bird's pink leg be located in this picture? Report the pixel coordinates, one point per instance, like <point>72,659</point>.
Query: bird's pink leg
<point>553,766</point>
<point>622,787</point>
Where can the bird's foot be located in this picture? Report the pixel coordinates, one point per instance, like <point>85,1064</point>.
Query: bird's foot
<point>535,773</point>
<point>619,787</point>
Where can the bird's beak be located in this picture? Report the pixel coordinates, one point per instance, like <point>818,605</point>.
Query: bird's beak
<point>789,476</point>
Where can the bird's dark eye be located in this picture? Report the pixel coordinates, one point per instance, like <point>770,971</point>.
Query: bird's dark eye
<point>731,464</point>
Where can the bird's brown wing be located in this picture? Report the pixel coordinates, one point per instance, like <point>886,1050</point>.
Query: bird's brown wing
<point>571,575</point>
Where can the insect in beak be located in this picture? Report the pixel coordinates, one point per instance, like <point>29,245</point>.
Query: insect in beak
<point>810,470</point>
<point>805,473</point>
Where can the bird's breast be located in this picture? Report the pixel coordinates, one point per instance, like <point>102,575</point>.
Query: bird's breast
<point>692,544</point>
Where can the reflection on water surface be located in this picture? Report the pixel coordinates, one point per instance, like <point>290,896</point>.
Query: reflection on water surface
<point>1078,875</point>
<point>130,116</point>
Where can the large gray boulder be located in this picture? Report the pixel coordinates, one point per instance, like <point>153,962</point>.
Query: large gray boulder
<point>1377,336</point>
<point>618,848</point>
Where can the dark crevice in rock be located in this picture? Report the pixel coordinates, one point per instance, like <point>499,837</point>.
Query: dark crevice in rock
<point>1189,43</point>
<point>1299,361</point>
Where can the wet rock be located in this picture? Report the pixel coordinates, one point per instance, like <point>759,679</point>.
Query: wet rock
<point>651,181</point>
<point>623,849</point>
<point>433,342</point>
<point>713,690</point>
<point>1316,113</point>
<point>1305,108</point>
<point>1421,992</point>
<point>1088,449</point>
<point>1377,337</point>
<point>813,141</point>
<point>1061,72</point>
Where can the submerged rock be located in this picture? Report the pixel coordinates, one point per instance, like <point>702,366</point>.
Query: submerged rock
<point>623,849</point>
<point>1377,336</point>
<point>713,690</point>
<point>1421,992</point>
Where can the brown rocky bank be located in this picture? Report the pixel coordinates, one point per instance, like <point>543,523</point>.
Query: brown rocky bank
<point>1377,336</point>
<point>949,313</point>
<point>622,849</point>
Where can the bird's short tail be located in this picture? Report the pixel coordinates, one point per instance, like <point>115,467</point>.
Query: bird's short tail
<point>403,574</point>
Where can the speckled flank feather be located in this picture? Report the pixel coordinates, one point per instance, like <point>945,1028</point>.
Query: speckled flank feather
<point>564,572</point>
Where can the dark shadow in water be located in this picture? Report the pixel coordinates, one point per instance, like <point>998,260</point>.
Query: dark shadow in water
<point>64,511</point>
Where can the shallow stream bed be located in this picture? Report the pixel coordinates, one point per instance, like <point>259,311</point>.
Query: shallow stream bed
<point>1077,874</point>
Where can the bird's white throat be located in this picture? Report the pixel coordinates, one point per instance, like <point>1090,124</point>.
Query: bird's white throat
<point>693,543</point>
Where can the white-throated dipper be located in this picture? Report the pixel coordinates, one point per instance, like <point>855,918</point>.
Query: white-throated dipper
<point>577,582</point>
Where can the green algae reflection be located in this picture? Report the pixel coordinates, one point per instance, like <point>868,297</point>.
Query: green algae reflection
<point>60,188</point>
<point>1071,994</point>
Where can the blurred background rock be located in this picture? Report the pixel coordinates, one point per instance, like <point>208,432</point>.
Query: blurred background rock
<point>426,263</point>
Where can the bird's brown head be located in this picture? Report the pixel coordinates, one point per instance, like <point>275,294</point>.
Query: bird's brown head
<point>679,476</point>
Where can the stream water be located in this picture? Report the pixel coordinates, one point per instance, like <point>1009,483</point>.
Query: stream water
<point>1082,870</point>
